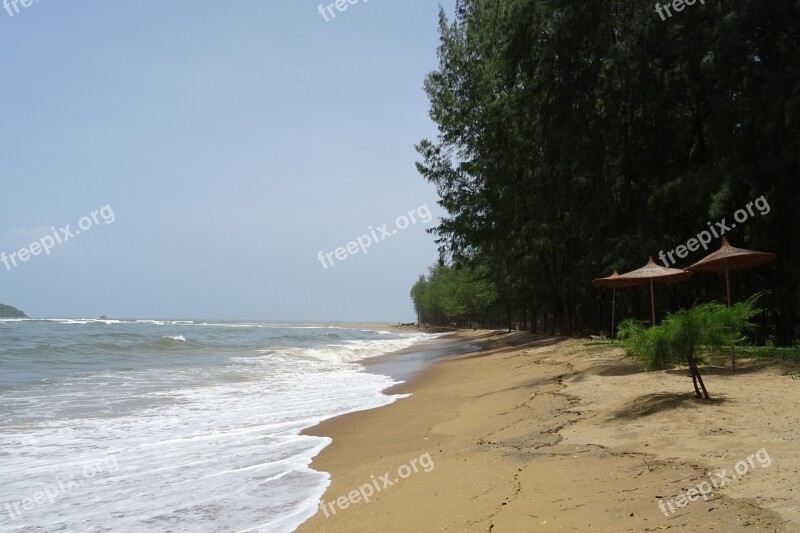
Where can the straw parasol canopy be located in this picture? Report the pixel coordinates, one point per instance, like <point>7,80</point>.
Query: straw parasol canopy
<point>728,259</point>
<point>613,282</point>
<point>652,272</point>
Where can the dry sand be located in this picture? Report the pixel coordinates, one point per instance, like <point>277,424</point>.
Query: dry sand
<point>550,434</point>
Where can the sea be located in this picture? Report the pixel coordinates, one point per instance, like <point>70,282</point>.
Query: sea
<point>175,425</point>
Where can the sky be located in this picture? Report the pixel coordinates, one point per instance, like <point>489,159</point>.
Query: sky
<point>203,154</point>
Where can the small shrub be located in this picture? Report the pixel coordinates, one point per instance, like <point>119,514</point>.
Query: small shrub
<point>681,335</point>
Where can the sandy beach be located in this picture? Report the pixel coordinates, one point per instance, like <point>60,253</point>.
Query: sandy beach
<point>540,433</point>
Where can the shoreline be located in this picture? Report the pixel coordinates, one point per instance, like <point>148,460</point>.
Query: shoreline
<point>406,364</point>
<point>539,432</point>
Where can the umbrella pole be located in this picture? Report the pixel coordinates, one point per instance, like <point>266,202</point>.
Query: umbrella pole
<point>728,288</point>
<point>613,311</point>
<point>728,283</point>
<point>652,303</point>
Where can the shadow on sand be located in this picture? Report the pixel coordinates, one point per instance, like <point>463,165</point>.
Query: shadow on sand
<point>504,342</point>
<point>649,404</point>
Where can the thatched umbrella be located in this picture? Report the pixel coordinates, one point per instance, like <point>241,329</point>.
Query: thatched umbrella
<point>728,259</point>
<point>612,282</point>
<point>652,272</point>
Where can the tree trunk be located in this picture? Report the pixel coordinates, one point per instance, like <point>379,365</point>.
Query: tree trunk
<point>694,382</point>
<point>785,332</point>
<point>696,372</point>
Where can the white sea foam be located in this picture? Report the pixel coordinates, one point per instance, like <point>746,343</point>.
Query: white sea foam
<point>221,458</point>
<point>199,446</point>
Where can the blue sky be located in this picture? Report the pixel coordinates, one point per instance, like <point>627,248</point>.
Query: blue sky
<point>233,142</point>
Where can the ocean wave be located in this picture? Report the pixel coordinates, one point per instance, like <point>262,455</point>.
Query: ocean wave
<point>355,350</point>
<point>231,401</point>
<point>83,321</point>
<point>110,347</point>
<point>138,344</point>
<point>378,331</point>
<point>235,444</point>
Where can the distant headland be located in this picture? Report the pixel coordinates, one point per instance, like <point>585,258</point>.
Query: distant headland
<point>6,311</point>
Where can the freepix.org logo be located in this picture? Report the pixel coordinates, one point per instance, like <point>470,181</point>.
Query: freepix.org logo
<point>715,231</point>
<point>377,484</point>
<point>50,493</point>
<point>59,236</point>
<point>375,235</point>
<point>328,12</point>
<point>716,481</point>
<point>12,7</point>
<point>677,5</point>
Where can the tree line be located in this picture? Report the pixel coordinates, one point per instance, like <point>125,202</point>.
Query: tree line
<point>576,138</point>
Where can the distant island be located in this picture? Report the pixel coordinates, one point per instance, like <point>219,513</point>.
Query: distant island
<point>6,311</point>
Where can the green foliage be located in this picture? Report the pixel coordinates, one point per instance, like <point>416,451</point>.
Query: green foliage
<point>769,352</point>
<point>453,296</point>
<point>6,311</point>
<point>681,335</point>
<point>579,137</point>
<point>651,346</point>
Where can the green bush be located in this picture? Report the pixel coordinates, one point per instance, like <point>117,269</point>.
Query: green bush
<point>688,336</point>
